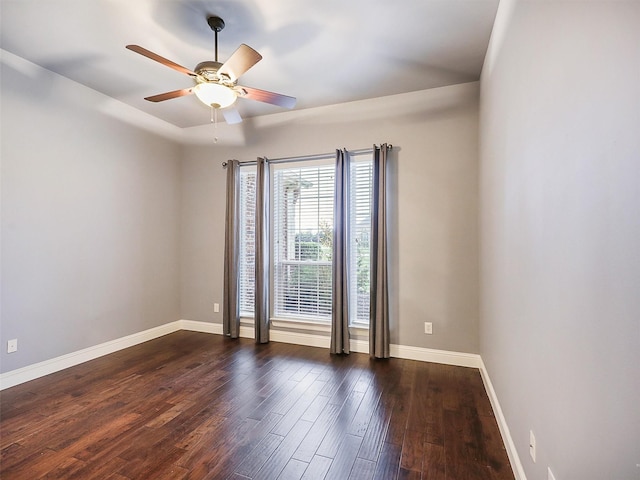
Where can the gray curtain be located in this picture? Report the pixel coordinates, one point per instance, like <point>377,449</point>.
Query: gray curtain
<point>379,311</point>
<point>340,257</point>
<point>230,308</point>
<point>261,316</point>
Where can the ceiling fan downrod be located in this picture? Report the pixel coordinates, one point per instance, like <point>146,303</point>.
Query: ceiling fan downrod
<point>216,24</point>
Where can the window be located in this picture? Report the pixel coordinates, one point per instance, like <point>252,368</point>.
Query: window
<point>360,191</point>
<point>247,260</point>
<point>302,239</point>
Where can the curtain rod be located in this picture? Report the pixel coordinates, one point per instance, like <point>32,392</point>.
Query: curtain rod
<point>303,158</point>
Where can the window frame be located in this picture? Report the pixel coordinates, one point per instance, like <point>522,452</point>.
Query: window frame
<point>275,315</point>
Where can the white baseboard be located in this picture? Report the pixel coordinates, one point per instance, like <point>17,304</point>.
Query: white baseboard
<point>514,458</point>
<point>204,327</point>
<point>447,357</point>
<point>31,372</point>
<point>37,370</point>
<point>459,359</point>
<point>307,339</point>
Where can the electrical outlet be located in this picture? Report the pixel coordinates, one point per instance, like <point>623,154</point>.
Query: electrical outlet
<point>216,308</point>
<point>550,475</point>
<point>428,328</point>
<point>532,445</point>
<point>12,345</point>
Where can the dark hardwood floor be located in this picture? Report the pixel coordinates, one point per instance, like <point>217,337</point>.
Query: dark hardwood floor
<point>200,406</point>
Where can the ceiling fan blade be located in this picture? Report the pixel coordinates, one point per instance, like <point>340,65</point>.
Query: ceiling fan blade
<point>231,115</point>
<point>239,62</point>
<point>162,60</point>
<point>169,95</point>
<point>267,97</point>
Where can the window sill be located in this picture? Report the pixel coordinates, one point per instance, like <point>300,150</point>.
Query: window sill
<point>313,326</point>
<point>301,324</point>
<point>309,325</point>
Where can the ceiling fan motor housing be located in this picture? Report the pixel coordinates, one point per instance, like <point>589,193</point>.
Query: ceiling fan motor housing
<point>208,70</point>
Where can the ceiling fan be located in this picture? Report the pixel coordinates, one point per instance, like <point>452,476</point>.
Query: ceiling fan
<point>216,83</point>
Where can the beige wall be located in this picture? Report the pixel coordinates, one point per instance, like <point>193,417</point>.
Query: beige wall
<point>560,223</point>
<point>434,259</point>
<point>90,211</point>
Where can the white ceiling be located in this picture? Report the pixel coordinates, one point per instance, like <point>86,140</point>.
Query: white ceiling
<point>321,52</point>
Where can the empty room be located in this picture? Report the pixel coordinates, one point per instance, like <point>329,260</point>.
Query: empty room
<point>320,240</point>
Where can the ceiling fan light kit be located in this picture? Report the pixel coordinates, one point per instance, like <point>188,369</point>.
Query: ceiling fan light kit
<point>216,83</point>
<point>215,95</point>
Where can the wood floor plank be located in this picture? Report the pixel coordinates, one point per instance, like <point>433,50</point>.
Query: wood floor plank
<point>293,470</point>
<point>283,453</point>
<point>419,409</point>
<point>66,469</point>
<point>195,406</point>
<point>340,381</point>
<point>346,456</point>
<point>403,393</point>
<point>388,462</point>
<point>377,429</point>
<point>302,385</point>
<point>117,476</point>
<point>316,407</point>
<point>336,432</point>
<point>273,400</point>
<point>318,468</point>
<point>172,472</point>
<point>433,465</point>
<point>295,413</point>
<point>34,466</point>
<point>101,449</point>
<point>256,459</point>
<point>495,451</point>
<point>43,461</point>
<point>398,420</point>
<point>404,474</point>
<point>309,445</point>
<point>213,447</point>
<point>97,470</point>
<point>197,429</point>
<point>362,469</point>
<point>239,447</point>
<point>412,450</point>
<point>360,422</point>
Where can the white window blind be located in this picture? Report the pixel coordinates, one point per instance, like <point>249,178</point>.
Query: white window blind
<point>302,197</point>
<point>246,273</point>
<point>360,190</point>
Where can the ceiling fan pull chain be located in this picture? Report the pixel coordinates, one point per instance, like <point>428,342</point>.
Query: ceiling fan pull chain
<point>214,120</point>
